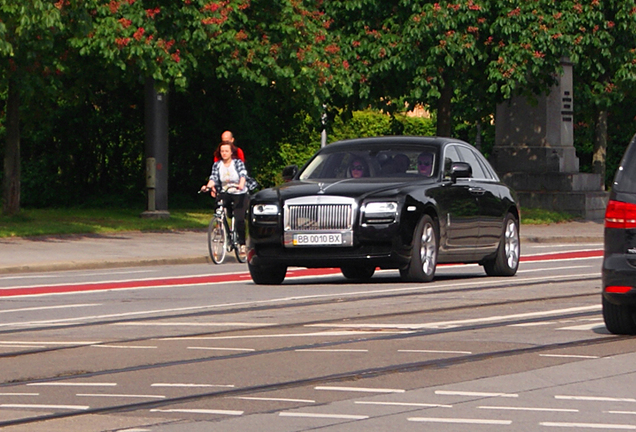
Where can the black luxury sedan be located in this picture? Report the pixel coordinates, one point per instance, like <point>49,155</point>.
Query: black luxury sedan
<point>619,258</point>
<point>400,202</point>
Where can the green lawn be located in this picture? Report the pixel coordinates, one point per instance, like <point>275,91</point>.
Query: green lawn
<point>34,222</point>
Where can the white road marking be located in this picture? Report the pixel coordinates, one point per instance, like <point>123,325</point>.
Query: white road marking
<point>184,385</point>
<point>404,404</point>
<point>452,324</point>
<point>543,269</point>
<point>22,346</point>
<point>70,306</point>
<point>195,324</point>
<point>221,349</point>
<point>588,425</point>
<point>584,327</point>
<point>459,421</point>
<point>46,407</point>
<point>73,384</point>
<point>282,335</point>
<point>50,343</point>
<point>528,409</point>
<point>359,389</point>
<point>477,394</point>
<point>326,416</point>
<point>274,399</point>
<point>333,350</point>
<point>102,395</point>
<point>433,351</point>
<point>533,324</point>
<point>125,346</point>
<point>199,411</point>
<point>621,412</point>
<point>19,394</point>
<point>595,398</point>
<point>569,356</point>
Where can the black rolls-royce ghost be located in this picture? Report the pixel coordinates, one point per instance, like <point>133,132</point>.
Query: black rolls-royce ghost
<point>400,202</point>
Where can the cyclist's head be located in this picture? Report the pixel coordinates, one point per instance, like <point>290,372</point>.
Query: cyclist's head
<point>225,150</point>
<point>227,137</point>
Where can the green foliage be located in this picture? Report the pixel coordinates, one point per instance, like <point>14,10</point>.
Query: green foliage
<point>535,216</point>
<point>375,123</point>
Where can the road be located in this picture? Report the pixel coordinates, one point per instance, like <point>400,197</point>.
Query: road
<point>199,348</point>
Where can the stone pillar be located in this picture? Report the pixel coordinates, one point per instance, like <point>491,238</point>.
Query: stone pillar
<point>534,152</point>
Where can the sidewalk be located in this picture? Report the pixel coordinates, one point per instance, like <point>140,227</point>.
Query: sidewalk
<point>42,254</point>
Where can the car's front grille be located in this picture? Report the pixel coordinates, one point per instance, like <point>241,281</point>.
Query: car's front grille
<point>324,213</point>
<point>320,217</point>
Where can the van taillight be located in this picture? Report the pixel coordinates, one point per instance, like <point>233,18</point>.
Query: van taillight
<point>620,215</point>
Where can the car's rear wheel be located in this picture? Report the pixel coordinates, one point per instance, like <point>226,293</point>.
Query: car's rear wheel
<point>619,319</point>
<point>360,272</point>
<point>267,275</point>
<point>421,267</point>
<point>506,260</point>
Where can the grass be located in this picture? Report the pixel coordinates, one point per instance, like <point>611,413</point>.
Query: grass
<point>37,222</point>
<point>40,222</point>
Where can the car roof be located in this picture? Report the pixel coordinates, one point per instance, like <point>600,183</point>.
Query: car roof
<point>391,140</point>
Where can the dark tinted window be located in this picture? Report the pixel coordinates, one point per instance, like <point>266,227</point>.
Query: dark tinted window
<point>625,180</point>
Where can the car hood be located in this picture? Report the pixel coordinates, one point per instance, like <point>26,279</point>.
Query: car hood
<point>346,187</point>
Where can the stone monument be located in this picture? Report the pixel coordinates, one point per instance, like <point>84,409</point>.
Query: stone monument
<point>534,153</point>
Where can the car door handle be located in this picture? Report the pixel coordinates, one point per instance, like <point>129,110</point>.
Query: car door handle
<point>477,190</point>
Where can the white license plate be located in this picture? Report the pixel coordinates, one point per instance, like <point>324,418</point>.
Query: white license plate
<point>317,239</point>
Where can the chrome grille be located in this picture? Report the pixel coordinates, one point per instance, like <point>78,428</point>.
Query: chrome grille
<point>320,217</point>
<point>319,213</point>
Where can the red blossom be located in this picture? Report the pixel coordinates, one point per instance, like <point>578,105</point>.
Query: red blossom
<point>345,64</point>
<point>241,35</point>
<point>125,22</point>
<point>332,49</point>
<point>151,13</point>
<point>139,33</point>
<point>473,6</point>
<point>319,38</point>
<point>539,54</point>
<point>514,12</point>
<point>437,7</point>
<point>175,56</point>
<point>610,24</point>
<point>211,7</point>
<point>355,44</point>
<point>113,6</point>
<point>121,42</point>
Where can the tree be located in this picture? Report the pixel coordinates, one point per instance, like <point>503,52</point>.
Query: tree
<point>604,53</point>
<point>431,53</point>
<point>29,52</point>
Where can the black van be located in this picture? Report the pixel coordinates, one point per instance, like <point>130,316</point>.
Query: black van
<point>619,260</point>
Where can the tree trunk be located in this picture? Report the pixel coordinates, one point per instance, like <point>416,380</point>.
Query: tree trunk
<point>599,157</point>
<point>11,178</point>
<point>444,123</point>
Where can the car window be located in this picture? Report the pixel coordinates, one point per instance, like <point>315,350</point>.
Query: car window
<point>450,156</point>
<point>392,161</point>
<point>626,175</point>
<point>469,156</point>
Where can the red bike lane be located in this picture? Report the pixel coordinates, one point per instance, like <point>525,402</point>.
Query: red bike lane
<point>225,278</point>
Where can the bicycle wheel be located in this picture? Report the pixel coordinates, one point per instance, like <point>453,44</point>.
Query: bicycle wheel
<point>239,250</point>
<point>216,240</point>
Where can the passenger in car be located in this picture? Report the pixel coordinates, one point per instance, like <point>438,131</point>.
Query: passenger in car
<point>358,169</point>
<point>425,164</point>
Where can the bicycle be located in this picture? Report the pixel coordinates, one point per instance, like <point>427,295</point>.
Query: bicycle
<point>222,234</point>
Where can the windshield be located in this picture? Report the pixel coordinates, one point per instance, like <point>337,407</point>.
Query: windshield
<point>396,162</point>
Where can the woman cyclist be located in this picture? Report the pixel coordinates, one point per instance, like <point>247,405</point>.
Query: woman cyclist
<point>229,178</point>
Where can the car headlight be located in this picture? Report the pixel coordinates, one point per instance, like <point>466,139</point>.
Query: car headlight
<point>265,210</point>
<point>380,212</point>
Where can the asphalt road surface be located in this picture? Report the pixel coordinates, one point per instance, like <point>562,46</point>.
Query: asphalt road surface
<point>201,348</point>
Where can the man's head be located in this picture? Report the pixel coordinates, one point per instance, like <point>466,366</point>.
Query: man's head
<point>227,137</point>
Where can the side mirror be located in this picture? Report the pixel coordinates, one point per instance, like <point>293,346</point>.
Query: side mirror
<point>460,170</point>
<point>289,172</point>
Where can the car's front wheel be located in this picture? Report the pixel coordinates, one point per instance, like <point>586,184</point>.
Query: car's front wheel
<point>421,267</point>
<point>267,275</point>
<point>506,260</point>
<point>619,319</point>
<point>359,272</point>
